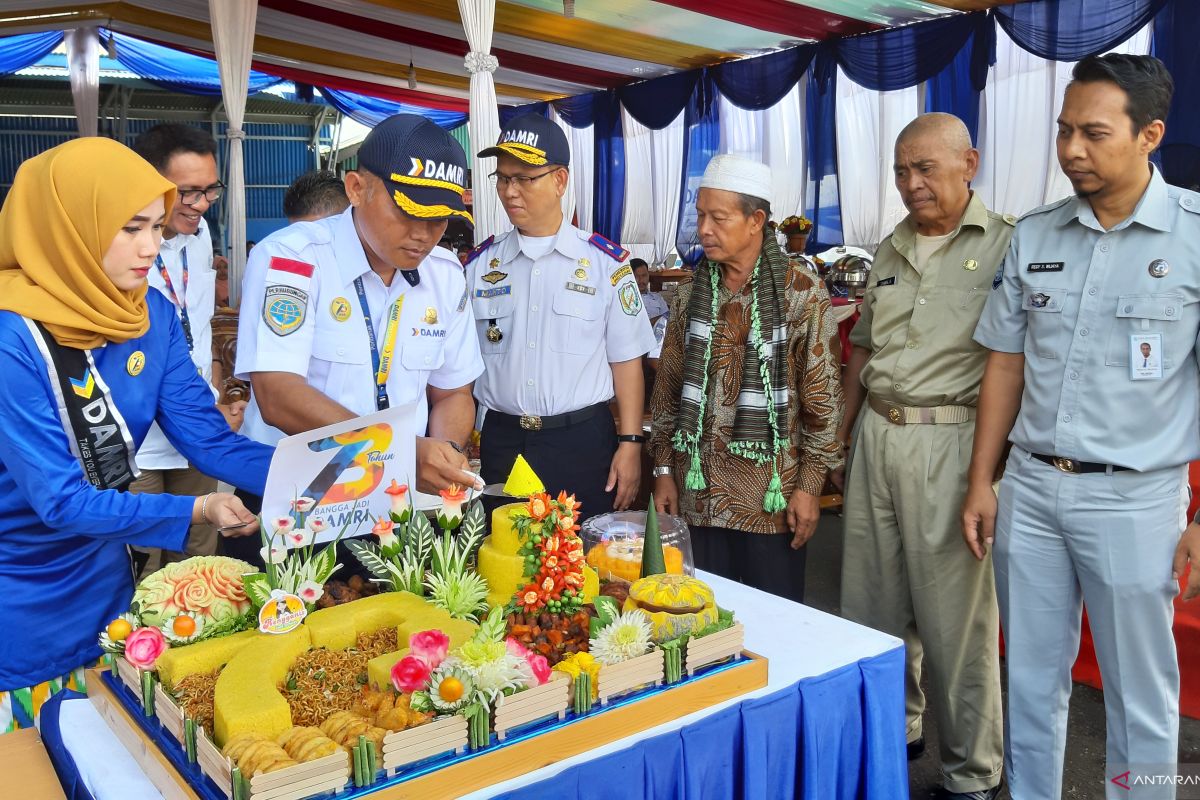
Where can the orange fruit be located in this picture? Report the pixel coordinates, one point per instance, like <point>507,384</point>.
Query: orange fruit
<point>118,629</point>
<point>450,689</point>
<point>183,626</point>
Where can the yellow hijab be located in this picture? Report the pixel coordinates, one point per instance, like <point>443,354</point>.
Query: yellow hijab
<point>60,217</point>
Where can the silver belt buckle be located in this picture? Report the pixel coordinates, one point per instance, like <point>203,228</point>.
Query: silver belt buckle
<point>530,422</point>
<point>1067,465</point>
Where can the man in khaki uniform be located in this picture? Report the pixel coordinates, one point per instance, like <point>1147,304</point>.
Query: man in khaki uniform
<point>905,569</point>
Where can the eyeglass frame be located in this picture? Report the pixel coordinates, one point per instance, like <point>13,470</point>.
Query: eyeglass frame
<point>522,182</point>
<point>218,187</point>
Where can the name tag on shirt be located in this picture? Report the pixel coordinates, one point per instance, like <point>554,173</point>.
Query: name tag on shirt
<point>1045,266</point>
<point>886,281</point>
<point>1145,357</point>
<point>579,287</point>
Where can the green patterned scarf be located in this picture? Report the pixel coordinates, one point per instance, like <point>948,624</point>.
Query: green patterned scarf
<point>758,429</point>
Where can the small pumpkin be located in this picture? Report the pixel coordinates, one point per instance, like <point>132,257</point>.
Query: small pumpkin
<point>676,604</point>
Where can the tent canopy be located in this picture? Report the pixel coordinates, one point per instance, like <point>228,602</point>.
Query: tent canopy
<point>366,45</point>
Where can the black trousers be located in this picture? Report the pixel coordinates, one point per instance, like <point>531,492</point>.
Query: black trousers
<point>765,561</point>
<point>575,458</point>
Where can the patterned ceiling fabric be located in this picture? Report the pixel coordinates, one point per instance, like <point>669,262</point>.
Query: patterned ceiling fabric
<point>778,16</point>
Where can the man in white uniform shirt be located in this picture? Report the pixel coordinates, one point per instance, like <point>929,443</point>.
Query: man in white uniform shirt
<point>562,328</point>
<point>183,272</point>
<point>359,312</point>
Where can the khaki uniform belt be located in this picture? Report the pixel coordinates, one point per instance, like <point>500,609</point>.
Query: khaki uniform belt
<point>910,415</point>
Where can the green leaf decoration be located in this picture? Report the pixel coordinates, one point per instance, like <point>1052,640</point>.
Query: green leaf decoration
<point>421,536</point>
<point>258,588</point>
<point>369,556</point>
<point>492,627</point>
<point>607,610</point>
<point>653,562</point>
<point>472,532</point>
<point>324,563</point>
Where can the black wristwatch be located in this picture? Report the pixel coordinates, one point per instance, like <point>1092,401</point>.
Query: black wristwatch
<point>636,438</point>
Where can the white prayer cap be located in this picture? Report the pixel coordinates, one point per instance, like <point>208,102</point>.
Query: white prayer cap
<point>738,174</point>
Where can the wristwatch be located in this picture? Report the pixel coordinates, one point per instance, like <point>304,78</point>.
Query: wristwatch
<point>660,472</point>
<point>637,438</point>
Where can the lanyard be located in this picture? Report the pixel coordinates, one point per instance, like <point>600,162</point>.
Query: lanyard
<point>179,300</point>
<point>381,361</point>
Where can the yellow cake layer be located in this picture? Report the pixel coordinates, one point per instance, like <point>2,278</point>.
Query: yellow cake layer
<point>504,537</point>
<point>337,628</point>
<point>177,663</point>
<point>503,571</point>
<point>379,669</point>
<point>247,696</point>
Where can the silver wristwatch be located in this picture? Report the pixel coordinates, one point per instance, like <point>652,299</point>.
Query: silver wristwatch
<point>659,472</point>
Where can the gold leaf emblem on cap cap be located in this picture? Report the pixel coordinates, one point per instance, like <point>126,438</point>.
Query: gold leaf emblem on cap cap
<point>431,316</point>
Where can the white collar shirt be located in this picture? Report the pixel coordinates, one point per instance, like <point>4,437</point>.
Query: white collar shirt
<point>311,267</point>
<point>563,318</point>
<point>1070,297</point>
<point>156,453</point>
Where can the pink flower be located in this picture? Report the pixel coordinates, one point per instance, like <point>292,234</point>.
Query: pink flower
<point>298,537</point>
<point>303,505</point>
<point>143,646</point>
<point>317,525</point>
<point>515,648</point>
<point>540,667</point>
<point>283,524</point>
<point>429,646</point>
<point>383,529</point>
<point>410,674</point>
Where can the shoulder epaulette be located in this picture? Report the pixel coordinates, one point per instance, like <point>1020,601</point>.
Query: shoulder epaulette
<point>1048,207</point>
<point>484,245</point>
<point>610,248</point>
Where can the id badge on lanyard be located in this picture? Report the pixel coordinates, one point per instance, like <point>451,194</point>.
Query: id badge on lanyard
<point>381,359</point>
<point>180,300</point>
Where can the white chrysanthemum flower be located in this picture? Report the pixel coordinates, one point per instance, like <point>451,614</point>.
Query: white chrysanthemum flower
<point>168,629</point>
<point>118,647</point>
<point>626,637</point>
<point>450,690</point>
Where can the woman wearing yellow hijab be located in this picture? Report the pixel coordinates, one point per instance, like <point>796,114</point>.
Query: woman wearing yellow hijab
<point>89,360</point>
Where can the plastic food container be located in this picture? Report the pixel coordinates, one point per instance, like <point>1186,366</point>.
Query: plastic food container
<point>613,544</point>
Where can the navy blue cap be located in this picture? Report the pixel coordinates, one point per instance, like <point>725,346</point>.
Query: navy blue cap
<point>423,167</point>
<point>533,139</point>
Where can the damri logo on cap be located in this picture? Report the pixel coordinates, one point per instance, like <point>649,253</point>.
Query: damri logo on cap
<point>524,137</point>
<point>436,171</point>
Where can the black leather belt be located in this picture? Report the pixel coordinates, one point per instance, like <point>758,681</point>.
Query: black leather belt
<point>530,422</point>
<point>1073,467</point>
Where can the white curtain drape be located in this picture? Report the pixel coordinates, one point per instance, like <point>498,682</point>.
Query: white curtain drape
<point>83,68</point>
<point>233,43</point>
<point>1018,168</point>
<point>478,19</point>
<point>774,136</point>
<point>868,123</point>
<point>583,168</point>
<point>667,166</point>
<point>568,199</point>
<point>637,227</point>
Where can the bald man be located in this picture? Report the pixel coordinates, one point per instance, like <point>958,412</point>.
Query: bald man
<point>917,370</point>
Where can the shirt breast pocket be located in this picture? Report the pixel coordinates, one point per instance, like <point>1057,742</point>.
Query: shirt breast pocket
<point>1149,313</point>
<point>499,309</point>
<point>417,358</point>
<point>1044,306</point>
<point>338,366</point>
<point>577,324</point>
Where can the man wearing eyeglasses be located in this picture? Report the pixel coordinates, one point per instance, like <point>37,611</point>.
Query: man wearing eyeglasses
<point>562,329</point>
<point>183,272</point>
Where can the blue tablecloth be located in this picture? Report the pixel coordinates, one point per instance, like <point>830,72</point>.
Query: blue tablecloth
<point>828,726</point>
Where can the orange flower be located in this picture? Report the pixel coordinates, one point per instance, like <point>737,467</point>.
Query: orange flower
<point>569,502</point>
<point>383,529</point>
<point>538,506</point>
<point>453,498</point>
<point>399,494</point>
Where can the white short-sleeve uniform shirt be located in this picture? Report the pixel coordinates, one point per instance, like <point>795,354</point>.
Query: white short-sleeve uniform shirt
<point>302,313</point>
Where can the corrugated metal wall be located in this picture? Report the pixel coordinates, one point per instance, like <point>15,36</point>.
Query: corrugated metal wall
<point>274,155</point>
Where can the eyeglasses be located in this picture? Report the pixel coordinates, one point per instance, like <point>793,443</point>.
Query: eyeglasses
<point>212,193</point>
<point>522,182</point>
